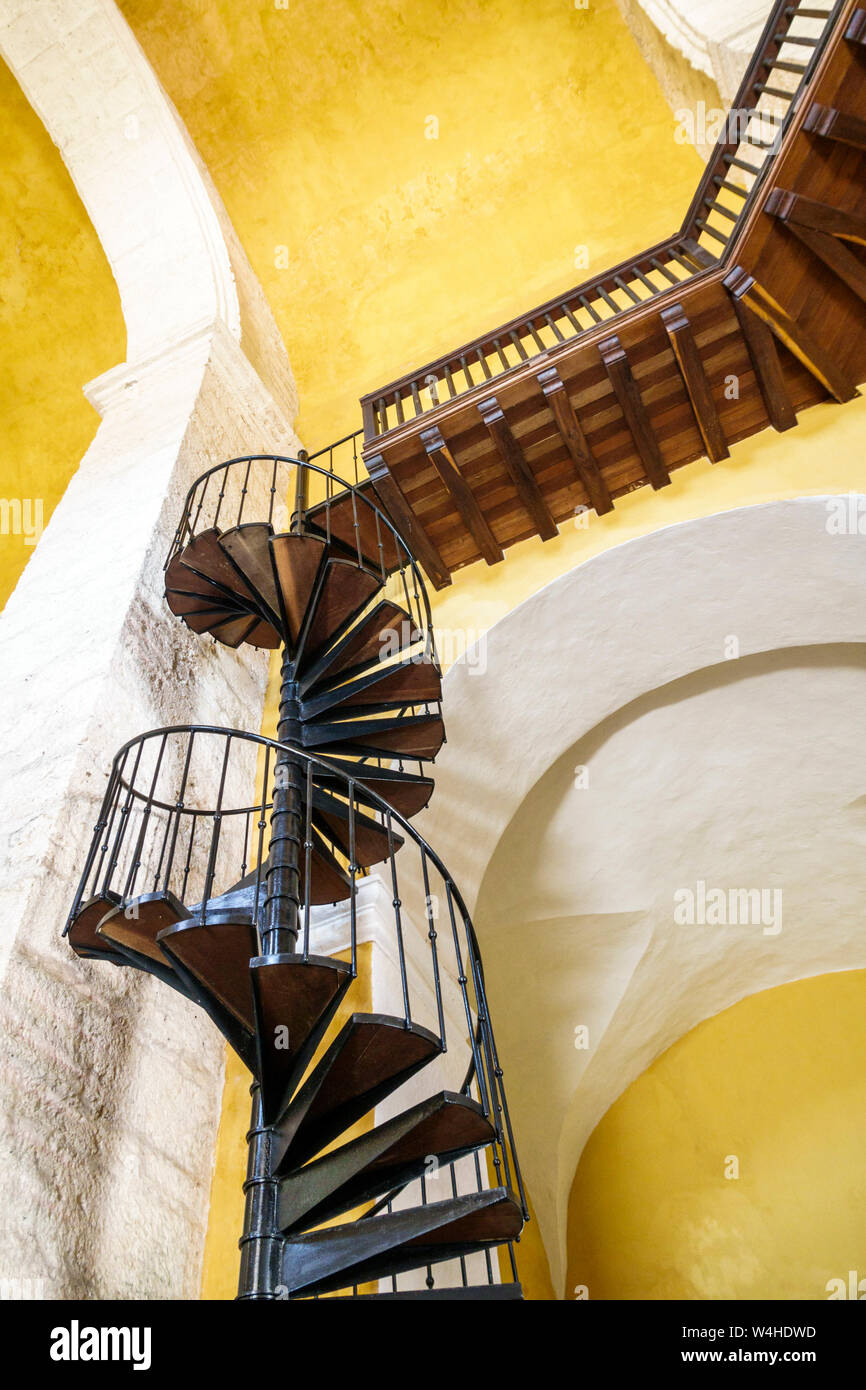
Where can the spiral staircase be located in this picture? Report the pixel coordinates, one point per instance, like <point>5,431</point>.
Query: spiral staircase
<point>381,1159</point>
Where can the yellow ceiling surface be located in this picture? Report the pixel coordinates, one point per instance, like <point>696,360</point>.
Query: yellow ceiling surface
<point>60,326</point>
<point>405,176</point>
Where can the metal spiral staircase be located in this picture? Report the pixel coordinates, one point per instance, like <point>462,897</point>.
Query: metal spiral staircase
<point>256,876</point>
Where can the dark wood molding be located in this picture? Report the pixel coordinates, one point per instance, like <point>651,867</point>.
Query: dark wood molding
<point>698,253</point>
<point>770,377</point>
<point>856,31</point>
<point>836,257</point>
<point>688,359</point>
<point>391,496</point>
<point>521,474</point>
<point>833,124</point>
<point>571,432</point>
<point>793,208</point>
<point>625,388</point>
<point>796,338</point>
<point>461,494</point>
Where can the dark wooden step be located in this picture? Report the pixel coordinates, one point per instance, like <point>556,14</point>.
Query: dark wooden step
<point>411,736</point>
<point>182,582</point>
<point>407,792</point>
<point>138,924</point>
<point>371,1056</point>
<point>264,635</point>
<point>248,548</point>
<point>82,935</point>
<point>205,557</point>
<point>386,624</point>
<point>329,880</point>
<point>336,518</point>
<point>185,605</point>
<point>297,563</point>
<point>357,1251</point>
<point>372,843</point>
<point>341,596</point>
<point>233,632</point>
<point>209,961</point>
<point>445,1126</point>
<point>217,957</point>
<point>295,1000</point>
<point>414,681</point>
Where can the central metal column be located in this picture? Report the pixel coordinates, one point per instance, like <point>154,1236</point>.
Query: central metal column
<point>261,1242</point>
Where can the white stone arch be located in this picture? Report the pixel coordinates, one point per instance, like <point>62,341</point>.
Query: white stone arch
<point>110,1089</point>
<point>620,637</point>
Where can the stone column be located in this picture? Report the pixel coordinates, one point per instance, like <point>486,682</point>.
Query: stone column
<point>110,1084</point>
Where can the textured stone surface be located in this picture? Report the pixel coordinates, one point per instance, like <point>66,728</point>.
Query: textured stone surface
<point>110,1084</point>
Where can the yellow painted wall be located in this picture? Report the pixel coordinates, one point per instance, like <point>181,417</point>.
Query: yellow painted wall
<point>60,321</point>
<point>312,117</point>
<point>778,1082</point>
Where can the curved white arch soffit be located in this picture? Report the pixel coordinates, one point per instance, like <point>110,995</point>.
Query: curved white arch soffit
<point>206,378</point>
<point>174,254</point>
<point>626,626</point>
<point>716,36</point>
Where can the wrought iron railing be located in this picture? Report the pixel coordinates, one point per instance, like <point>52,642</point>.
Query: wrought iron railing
<point>180,822</point>
<point>307,498</point>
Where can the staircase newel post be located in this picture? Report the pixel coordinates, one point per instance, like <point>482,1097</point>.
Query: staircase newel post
<point>261,1241</point>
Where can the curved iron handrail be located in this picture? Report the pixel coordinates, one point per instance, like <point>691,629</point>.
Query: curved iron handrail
<point>484,1065</point>
<point>186,528</point>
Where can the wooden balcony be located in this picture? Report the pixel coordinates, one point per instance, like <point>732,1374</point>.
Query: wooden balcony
<point>752,311</point>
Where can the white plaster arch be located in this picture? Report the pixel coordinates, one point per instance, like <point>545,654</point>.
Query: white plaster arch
<point>620,634</point>
<point>716,36</point>
<point>110,1089</point>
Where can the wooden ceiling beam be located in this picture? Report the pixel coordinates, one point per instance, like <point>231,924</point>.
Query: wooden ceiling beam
<point>518,469</point>
<point>797,339</point>
<point>691,368</point>
<point>625,388</point>
<point>571,432</point>
<point>794,209</point>
<point>461,494</point>
<point>823,230</point>
<point>834,124</point>
<point>769,374</point>
<point>393,499</point>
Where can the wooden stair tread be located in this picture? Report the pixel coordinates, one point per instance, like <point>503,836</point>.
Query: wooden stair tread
<point>343,593</point>
<point>296,562</point>
<point>357,1251</point>
<point>153,913</point>
<point>205,557</point>
<point>387,622</point>
<point>416,736</point>
<point>248,547</point>
<point>295,1000</point>
<point>444,1126</point>
<point>218,957</point>
<point>410,682</point>
<point>372,843</point>
<point>371,1056</point>
<point>407,792</point>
